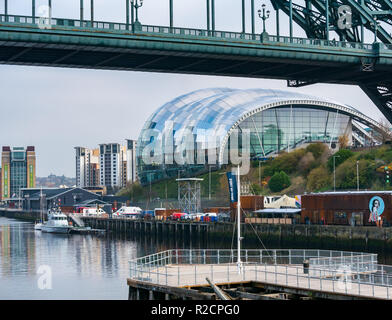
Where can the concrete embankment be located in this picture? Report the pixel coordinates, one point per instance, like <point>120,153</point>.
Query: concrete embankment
<point>21,215</point>
<point>306,236</point>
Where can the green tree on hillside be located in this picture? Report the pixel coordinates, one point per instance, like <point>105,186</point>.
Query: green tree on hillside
<point>341,156</point>
<point>279,181</point>
<point>346,174</point>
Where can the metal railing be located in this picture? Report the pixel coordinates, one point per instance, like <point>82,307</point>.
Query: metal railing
<point>362,263</point>
<point>350,273</point>
<point>86,25</point>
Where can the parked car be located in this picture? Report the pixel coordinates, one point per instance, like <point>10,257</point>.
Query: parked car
<point>224,217</point>
<point>210,217</point>
<point>178,215</point>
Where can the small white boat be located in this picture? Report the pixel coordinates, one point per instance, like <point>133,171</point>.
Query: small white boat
<point>57,223</point>
<point>38,226</point>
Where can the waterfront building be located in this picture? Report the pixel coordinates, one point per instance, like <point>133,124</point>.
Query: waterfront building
<point>87,167</point>
<point>356,208</point>
<point>111,158</point>
<point>131,161</point>
<point>111,165</point>
<point>278,121</point>
<point>66,198</point>
<point>18,170</point>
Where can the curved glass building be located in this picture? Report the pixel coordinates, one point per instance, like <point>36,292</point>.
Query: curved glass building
<point>276,120</point>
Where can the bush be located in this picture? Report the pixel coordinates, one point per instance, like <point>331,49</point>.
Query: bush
<point>341,156</point>
<point>287,162</point>
<point>306,163</point>
<point>318,179</point>
<point>317,149</point>
<point>279,181</point>
<point>256,189</point>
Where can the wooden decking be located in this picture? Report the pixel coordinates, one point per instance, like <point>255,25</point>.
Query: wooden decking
<point>288,276</point>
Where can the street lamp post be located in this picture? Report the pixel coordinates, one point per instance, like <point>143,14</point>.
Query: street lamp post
<point>357,176</point>
<point>334,174</point>
<point>209,182</point>
<point>264,16</point>
<point>375,24</point>
<point>136,4</point>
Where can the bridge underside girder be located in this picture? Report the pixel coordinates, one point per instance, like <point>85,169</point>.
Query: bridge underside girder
<point>311,17</point>
<point>381,94</point>
<point>307,72</point>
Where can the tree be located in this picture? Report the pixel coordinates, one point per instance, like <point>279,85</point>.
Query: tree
<point>317,149</point>
<point>318,179</point>
<point>306,163</point>
<point>343,141</point>
<point>256,189</point>
<point>341,156</point>
<point>346,174</point>
<point>279,181</point>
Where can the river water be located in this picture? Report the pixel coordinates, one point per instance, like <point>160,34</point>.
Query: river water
<point>80,267</point>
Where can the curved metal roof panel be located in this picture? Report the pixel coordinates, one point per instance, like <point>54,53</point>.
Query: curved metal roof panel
<point>219,108</point>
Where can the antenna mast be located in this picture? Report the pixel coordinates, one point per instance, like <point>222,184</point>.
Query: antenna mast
<point>239,263</point>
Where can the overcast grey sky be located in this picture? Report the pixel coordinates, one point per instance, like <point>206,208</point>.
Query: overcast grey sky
<point>57,109</point>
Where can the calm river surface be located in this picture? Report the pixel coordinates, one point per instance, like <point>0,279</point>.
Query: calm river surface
<point>82,266</point>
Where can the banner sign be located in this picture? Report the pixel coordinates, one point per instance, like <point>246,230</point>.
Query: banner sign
<point>31,176</point>
<point>232,187</point>
<point>5,182</point>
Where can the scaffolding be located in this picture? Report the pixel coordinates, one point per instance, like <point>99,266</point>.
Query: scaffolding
<point>189,195</point>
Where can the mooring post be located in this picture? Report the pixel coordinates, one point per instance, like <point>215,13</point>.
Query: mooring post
<point>6,8</point>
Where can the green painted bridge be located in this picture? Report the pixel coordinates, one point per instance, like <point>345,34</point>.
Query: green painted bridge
<point>71,43</point>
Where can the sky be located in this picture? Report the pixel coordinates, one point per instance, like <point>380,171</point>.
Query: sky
<point>56,109</point>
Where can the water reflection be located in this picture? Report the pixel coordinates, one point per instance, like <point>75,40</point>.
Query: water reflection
<point>83,267</point>
<point>88,267</point>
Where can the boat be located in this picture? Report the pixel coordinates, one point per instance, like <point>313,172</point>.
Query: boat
<point>38,226</point>
<point>57,223</point>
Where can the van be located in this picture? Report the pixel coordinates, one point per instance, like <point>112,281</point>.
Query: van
<point>88,212</point>
<point>129,212</point>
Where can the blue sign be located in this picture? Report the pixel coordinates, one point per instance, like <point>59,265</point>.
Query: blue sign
<point>232,187</point>
<point>376,207</point>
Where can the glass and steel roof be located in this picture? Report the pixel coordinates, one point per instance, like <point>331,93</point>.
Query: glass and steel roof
<point>221,109</point>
